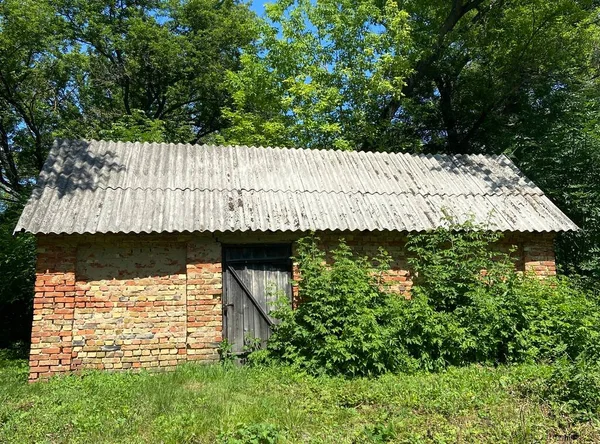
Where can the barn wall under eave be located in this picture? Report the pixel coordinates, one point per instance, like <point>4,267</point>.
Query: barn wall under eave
<point>119,302</point>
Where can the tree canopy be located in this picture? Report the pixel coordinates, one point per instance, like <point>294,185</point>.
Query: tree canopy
<point>119,69</point>
<point>460,76</point>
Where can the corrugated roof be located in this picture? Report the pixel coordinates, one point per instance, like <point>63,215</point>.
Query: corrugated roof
<point>119,187</point>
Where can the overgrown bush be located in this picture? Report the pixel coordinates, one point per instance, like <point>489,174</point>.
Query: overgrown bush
<point>345,323</point>
<point>471,305</point>
<point>573,388</point>
<point>563,319</point>
<point>468,305</point>
<point>463,307</point>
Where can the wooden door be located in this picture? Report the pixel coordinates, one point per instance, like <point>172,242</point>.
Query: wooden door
<point>254,277</point>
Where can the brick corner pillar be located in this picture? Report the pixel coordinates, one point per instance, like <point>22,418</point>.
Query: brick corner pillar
<point>538,255</point>
<point>204,299</point>
<point>53,309</point>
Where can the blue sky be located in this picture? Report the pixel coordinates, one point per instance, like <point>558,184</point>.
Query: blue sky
<point>258,6</point>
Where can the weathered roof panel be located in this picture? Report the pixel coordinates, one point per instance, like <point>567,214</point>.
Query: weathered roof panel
<point>118,187</point>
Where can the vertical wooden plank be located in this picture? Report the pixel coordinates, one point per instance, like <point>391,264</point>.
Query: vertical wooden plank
<point>264,287</point>
<point>269,294</point>
<point>248,322</point>
<point>257,287</point>
<point>239,308</point>
<point>231,321</point>
<point>253,315</point>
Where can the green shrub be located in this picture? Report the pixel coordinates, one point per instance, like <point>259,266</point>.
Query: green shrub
<point>225,351</point>
<point>563,319</point>
<point>346,321</point>
<point>17,275</point>
<point>459,314</point>
<point>447,263</point>
<point>516,319</point>
<point>574,387</point>
<point>469,305</point>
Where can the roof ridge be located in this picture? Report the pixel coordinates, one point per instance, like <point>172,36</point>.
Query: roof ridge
<point>60,141</point>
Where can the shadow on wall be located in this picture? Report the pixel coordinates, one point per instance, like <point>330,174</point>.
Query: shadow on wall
<point>131,261</point>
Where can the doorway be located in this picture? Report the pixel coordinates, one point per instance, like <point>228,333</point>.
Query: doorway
<point>255,277</point>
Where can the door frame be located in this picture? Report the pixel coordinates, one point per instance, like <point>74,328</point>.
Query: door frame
<point>287,261</point>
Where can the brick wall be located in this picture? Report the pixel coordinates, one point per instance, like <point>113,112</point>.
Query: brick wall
<point>53,310</point>
<point>539,258</point>
<point>153,301</point>
<point>534,252</point>
<point>130,305</point>
<point>120,302</point>
<point>204,290</point>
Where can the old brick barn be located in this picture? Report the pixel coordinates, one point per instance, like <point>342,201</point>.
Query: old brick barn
<point>150,254</point>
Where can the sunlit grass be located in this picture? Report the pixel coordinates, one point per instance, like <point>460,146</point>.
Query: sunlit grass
<point>210,403</point>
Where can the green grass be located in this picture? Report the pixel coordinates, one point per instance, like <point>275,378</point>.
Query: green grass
<point>212,403</point>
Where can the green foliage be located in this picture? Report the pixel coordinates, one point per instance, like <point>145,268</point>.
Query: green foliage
<point>447,263</point>
<point>226,352</point>
<point>17,271</point>
<point>566,175</point>
<point>563,320</point>
<point>573,388</point>
<point>482,68</point>
<point>158,60</point>
<point>459,76</point>
<point>252,434</point>
<point>377,433</point>
<point>36,96</point>
<point>468,305</point>
<point>516,319</point>
<point>201,403</point>
<point>318,74</point>
<point>135,127</point>
<point>344,322</point>
<point>459,314</point>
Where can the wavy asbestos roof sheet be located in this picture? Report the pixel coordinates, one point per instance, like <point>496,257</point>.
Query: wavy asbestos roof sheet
<point>119,187</point>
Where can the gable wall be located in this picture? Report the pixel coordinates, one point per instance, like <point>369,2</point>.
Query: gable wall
<point>153,301</point>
